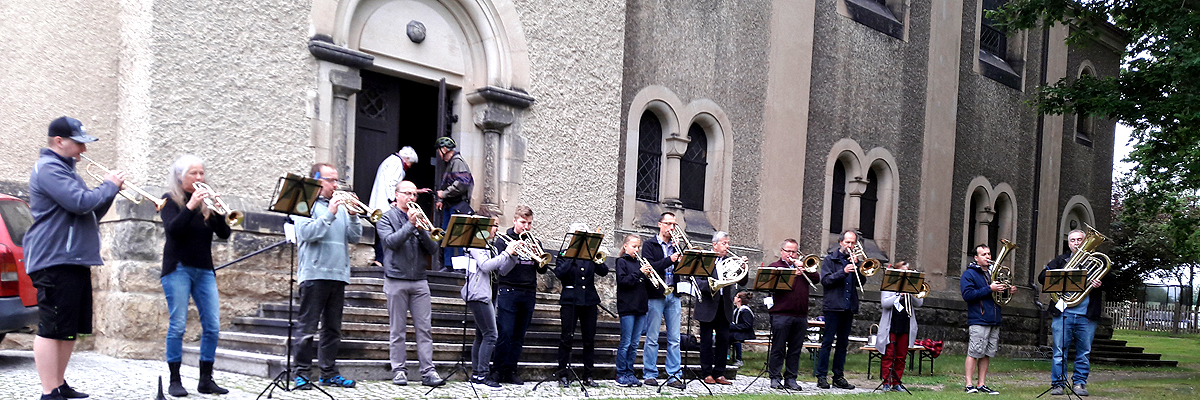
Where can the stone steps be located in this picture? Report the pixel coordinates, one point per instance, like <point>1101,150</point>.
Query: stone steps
<point>256,345</point>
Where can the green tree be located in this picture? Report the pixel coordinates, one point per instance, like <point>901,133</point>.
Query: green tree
<point>1157,91</point>
<point>1153,236</point>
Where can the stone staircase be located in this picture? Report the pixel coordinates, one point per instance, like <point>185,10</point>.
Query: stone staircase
<point>257,345</point>
<point>1118,352</point>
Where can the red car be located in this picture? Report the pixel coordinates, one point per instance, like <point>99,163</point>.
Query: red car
<point>18,298</point>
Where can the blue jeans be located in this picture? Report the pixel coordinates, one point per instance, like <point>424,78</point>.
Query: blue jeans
<point>201,285</point>
<point>1080,331</point>
<point>631,329</point>
<point>660,309</point>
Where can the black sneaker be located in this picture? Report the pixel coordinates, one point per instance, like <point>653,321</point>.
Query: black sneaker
<point>822,383</point>
<point>589,382</point>
<point>303,383</point>
<point>841,383</point>
<point>970,389</point>
<point>54,395</point>
<point>985,389</point>
<point>776,384</point>
<point>564,382</point>
<point>515,379</point>
<point>67,392</point>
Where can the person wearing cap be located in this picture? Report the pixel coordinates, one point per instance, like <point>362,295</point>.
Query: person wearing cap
<point>383,192</point>
<point>454,197</point>
<point>60,247</point>
<point>578,302</point>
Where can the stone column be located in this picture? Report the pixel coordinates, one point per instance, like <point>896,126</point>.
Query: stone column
<point>492,119</point>
<point>345,84</point>
<point>674,147</point>
<point>982,219</point>
<point>853,207</point>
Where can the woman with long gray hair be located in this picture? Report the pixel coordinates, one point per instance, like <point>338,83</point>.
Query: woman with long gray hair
<point>187,269</point>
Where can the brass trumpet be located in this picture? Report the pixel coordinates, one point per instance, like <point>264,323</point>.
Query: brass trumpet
<point>424,224</point>
<point>135,197</point>
<point>654,277</point>
<point>354,204</point>
<point>214,202</point>
<point>528,247</point>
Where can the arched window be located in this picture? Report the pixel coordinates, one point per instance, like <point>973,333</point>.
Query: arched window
<point>972,222</point>
<point>649,164</point>
<point>866,214</point>
<point>692,169</point>
<point>1084,122</point>
<point>838,200</point>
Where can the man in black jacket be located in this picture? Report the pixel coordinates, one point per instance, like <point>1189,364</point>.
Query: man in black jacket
<point>1073,325</point>
<point>714,311</point>
<point>662,253</point>
<point>578,302</point>
<point>839,273</point>
<point>515,300</point>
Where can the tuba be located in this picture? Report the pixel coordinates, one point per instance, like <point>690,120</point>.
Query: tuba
<point>353,203</point>
<point>654,277</point>
<point>214,202</point>
<point>1097,265</point>
<point>1002,274</point>
<point>729,271</point>
<point>869,266</point>
<point>135,197</point>
<point>423,223</point>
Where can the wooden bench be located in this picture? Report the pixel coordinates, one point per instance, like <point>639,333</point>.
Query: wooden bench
<point>918,353</point>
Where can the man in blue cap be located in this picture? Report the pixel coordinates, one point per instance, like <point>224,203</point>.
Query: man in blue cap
<point>60,248</point>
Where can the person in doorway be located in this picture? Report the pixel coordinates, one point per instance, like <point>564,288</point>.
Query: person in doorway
<point>454,195</point>
<point>383,193</point>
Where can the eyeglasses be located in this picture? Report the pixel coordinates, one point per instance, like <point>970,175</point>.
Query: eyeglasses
<point>792,251</point>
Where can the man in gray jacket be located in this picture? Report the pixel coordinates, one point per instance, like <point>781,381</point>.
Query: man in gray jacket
<point>324,273</point>
<point>406,252</point>
<point>60,247</point>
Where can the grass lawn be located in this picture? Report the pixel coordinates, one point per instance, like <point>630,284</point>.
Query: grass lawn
<point>1027,379</point>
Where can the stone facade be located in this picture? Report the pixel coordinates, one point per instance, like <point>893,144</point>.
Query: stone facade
<point>548,96</point>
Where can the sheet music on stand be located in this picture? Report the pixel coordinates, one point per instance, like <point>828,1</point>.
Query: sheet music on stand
<point>295,195</point>
<point>696,263</point>
<point>472,231</point>
<point>581,245</point>
<point>1064,281</point>
<point>769,278</point>
<point>902,281</point>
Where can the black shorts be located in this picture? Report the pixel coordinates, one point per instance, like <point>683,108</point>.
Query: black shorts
<point>64,301</point>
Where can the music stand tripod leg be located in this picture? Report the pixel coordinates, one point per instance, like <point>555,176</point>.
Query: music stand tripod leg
<point>284,379</point>
<point>461,365</point>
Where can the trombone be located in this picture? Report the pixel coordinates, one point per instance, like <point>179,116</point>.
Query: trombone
<point>133,197</point>
<point>869,266</point>
<point>214,202</point>
<point>354,204</point>
<point>811,265</point>
<point>423,223</point>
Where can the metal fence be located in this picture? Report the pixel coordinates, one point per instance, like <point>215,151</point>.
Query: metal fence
<point>1157,318</point>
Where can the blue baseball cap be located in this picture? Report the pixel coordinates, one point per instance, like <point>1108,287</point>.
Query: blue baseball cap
<point>70,128</point>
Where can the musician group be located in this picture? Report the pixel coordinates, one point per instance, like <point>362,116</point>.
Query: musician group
<point>500,289</point>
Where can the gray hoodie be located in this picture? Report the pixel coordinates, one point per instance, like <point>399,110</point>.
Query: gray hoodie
<point>66,215</point>
<point>323,243</point>
<point>479,281</point>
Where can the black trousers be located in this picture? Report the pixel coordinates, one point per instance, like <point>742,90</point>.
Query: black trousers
<point>787,342</point>
<point>714,364</point>
<point>586,315</point>
<point>320,301</point>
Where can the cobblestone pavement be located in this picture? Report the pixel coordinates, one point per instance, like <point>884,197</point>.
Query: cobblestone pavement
<point>106,377</point>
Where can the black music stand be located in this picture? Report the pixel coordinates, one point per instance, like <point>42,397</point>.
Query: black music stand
<point>769,279</point>
<point>469,231</point>
<point>294,195</point>
<point>900,281</point>
<point>1063,281</point>
<point>692,263</point>
<point>578,245</point>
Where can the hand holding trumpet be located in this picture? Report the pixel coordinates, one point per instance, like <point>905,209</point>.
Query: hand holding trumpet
<point>116,177</point>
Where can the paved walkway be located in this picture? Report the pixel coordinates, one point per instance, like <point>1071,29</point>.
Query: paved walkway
<point>106,377</point>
